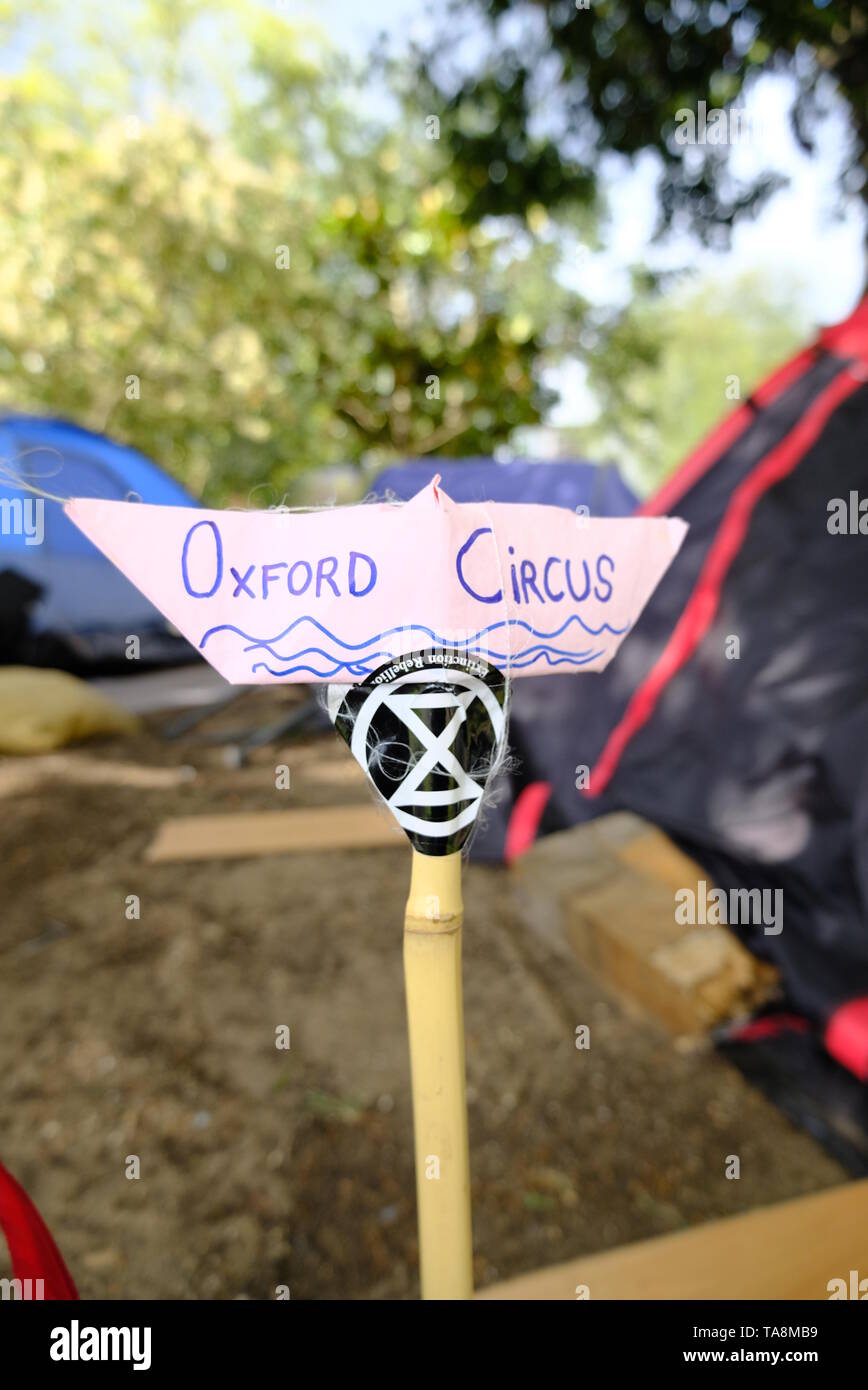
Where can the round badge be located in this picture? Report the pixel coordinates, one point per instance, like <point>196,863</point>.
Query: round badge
<point>427,729</point>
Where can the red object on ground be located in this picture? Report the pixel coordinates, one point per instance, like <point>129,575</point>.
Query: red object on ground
<point>34,1253</point>
<point>846,1036</point>
<point>525,818</point>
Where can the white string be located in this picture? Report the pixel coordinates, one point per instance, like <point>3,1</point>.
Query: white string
<point>8,472</point>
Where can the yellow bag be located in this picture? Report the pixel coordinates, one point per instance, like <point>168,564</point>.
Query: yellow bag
<point>41,710</point>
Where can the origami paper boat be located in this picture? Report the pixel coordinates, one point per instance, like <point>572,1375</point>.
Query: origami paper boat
<point>332,595</point>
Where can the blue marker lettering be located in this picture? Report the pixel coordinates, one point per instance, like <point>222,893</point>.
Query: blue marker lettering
<point>323,578</point>
<point>218,557</point>
<point>268,573</point>
<point>579,598</point>
<point>552,560</point>
<point>358,555</point>
<point>482,598</point>
<point>241,581</point>
<point>604,598</point>
<point>528,580</point>
<point>299,565</point>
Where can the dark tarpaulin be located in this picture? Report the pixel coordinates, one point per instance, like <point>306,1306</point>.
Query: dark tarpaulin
<point>756,766</point>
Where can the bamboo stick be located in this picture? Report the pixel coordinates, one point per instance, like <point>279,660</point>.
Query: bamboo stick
<point>432,972</point>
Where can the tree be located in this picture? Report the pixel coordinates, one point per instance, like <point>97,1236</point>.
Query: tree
<point>713,344</point>
<point>264,284</point>
<point>563,82</point>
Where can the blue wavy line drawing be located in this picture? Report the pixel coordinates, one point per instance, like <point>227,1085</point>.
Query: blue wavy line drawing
<point>328,656</point>
<point>563,658</point>
<point>360,668</point>
<point>540,647</point>
<point>268,642</point>
<point>353,668</point>
<point>450,646</point>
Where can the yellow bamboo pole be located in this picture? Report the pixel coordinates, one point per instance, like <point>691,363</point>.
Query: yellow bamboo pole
<point>432,972</point>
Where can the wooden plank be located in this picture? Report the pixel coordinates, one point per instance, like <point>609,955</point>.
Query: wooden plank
<point>790,1251</point>
<point>19,775</point>
<point>652,853</point>
<point>250,834</point>
<point>624,930</point>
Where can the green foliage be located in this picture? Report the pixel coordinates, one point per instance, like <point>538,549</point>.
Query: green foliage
<point>212,249</point>
<point>209,251</point>
<point>612,75</point>
<point>688,360</point>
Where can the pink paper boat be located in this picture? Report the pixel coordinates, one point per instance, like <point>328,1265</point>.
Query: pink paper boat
<point>332,595</point>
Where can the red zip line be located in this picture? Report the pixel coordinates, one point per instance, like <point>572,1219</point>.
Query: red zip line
<point>703,603</point>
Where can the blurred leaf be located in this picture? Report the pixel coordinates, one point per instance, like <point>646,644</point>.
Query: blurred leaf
<point>262,280</point>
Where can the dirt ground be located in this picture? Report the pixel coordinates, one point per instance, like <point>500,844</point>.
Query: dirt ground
<point>261,1167</point>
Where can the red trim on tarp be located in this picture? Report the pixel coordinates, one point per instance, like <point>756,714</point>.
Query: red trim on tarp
<point>847,339</point>
<point>770,1026</point>
<point>850,338</point>
<point>525,818</point>
<point>703,603</point>
<point>846,1036</point>
<point>723,436</point>
<point>33,1251</point>
<point>786,376</point>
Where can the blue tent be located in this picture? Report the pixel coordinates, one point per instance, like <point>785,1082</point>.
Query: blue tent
<point>79,608</point>
<point>566,483</point>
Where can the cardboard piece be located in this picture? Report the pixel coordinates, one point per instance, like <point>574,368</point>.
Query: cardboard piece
<point>792,1250</point>
<point>623,928</point>
<point>249,834</point>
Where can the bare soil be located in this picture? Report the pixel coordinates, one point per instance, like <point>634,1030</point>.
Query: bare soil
<point>155,1038</point>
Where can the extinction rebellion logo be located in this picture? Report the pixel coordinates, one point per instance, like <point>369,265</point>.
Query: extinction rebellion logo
<point>426,729</point>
